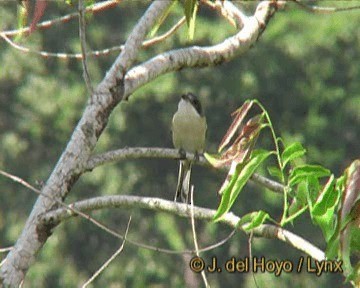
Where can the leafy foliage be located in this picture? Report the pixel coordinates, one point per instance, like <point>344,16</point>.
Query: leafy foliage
<point>322,201</point>
<point>238,180</point>
<point>345,234</point>
<point>292,152</point>
<point>190,9</point>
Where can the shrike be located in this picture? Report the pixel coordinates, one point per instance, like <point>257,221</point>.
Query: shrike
<point>188,133</point>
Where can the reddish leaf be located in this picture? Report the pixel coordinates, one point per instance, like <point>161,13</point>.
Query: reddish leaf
<point>349,210</point>
<point>235,152</point>
<point>240,150</point>
<point>251,128</point>
<point>239,116</point>
<point>352,189</point>
<point>40,6</point>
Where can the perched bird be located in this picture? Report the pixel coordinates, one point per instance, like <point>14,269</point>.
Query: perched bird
<point>188,133</point>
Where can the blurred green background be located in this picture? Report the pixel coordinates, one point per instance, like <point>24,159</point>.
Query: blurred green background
<point>304,69</point>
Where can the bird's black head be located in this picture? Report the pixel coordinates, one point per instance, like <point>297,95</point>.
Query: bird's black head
<point>194,101</point>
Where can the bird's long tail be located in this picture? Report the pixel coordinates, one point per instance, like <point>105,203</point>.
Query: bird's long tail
<point>183,186</point>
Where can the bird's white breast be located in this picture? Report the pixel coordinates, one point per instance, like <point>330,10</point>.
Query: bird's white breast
<point>189,128</point>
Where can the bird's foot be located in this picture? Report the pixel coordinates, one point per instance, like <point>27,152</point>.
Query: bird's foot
<point>182,154</point>
<point>197,156</point>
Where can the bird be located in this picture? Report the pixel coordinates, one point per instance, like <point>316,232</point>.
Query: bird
<point>188,135</point>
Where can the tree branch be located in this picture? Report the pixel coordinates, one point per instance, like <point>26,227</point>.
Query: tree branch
<point>107,263</point>
<point>182,210</point>
<point>167,153</point>
<point>104,52</point>
<point>94,8</point>
<point>324,10</point>
<point>83,140</point>
<point>196,56</point>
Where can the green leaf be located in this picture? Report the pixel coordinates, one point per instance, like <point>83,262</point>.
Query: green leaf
<point>212,159</point>
<point>274,171</point>
<point>190,14</point>
<point>238,181</point>
<point>326,198</point>
<point>324,208</point>
<point>301,193</point>
<point>355,239</point>
<point>299,201</point>
<point>352,188</point>
<point>305,171</point>
<point>292,152</point>
<point>312,190</point>
<point>224,206</point>
<point>89,2</point>
<point>22,15</point>
<point>256,219</point>
<point>161,19</point>
<point>256,159</point>
<point>332,247</point>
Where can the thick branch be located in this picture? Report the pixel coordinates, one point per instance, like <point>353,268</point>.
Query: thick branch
<point>74,158</point>
<point>183,210</point>
<point>196,56</point>
<point>166,153</point>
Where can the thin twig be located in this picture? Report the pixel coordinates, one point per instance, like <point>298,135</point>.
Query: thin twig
<point>6,249</point>
<point>196,245</point>
<point>82,36</point>
<point>324,10</point>
<point>2,262</point>
<point>219,243</point>
<point>251,258</point>
<point>162,37</point>
<point>114,201</point>
<point>106,264</point>
<point>97,7</point>
<point>71,211</point>
<point>226,13</point>
<point>267,183</point>
<point>97,53</point>
<point>69,208</point>
<point>60,55</point>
